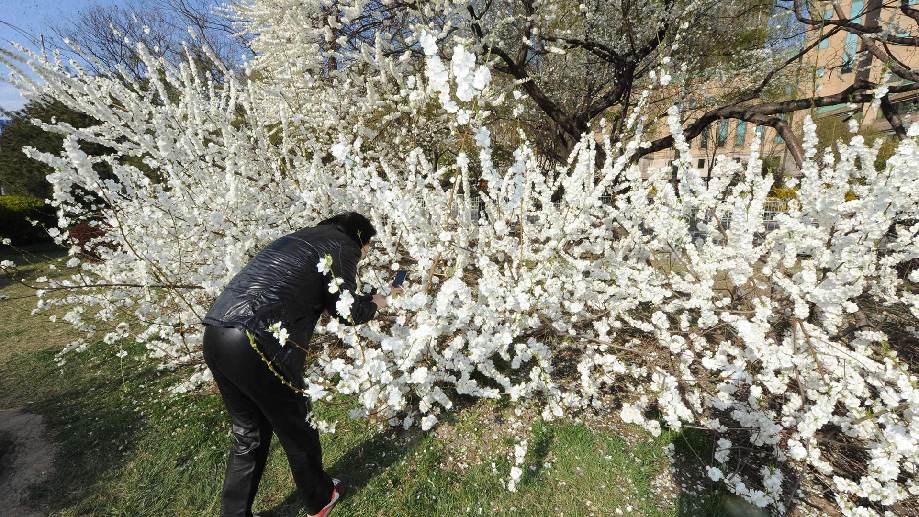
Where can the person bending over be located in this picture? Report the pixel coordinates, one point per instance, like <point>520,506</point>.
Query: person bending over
<point>282,283</point>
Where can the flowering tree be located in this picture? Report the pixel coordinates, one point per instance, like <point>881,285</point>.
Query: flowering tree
<point>588,287</point>
<point>571,63</point>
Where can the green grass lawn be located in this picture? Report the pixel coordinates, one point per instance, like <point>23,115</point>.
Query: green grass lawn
<point>127,449</point>
<point>19,330</point>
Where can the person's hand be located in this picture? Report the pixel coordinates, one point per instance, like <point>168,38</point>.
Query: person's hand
<point>380,301</point>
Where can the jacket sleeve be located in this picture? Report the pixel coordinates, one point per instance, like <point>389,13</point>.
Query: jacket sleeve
<point>344,267</point>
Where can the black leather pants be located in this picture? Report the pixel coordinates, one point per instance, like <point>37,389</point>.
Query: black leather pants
<point>258,404</point>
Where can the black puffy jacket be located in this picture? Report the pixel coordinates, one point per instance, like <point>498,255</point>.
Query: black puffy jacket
<point>281,284</point>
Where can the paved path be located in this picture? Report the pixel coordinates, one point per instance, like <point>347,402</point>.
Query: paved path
<point>29,462</point>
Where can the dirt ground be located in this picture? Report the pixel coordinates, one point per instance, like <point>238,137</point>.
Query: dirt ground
<point>26,461</point>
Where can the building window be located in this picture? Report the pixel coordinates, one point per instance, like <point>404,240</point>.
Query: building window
<point>894,28</point>
<point>722,133</point>
<point>851,44</point>
<point>706,135</point>
<point>825,42</point>
<point>740,136</point>
<point>848,56</point>
<point>857,7</point>
<point>701,163</point>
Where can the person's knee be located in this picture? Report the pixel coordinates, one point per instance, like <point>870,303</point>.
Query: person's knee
<point>246,440</point>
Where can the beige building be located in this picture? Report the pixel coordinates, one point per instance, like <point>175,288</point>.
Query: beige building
<point>839,60</point>
<point>829,68</point>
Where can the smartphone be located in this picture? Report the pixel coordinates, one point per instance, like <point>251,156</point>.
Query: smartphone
<point>400,278</point>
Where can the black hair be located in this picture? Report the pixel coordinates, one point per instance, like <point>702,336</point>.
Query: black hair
<point>354,225</point>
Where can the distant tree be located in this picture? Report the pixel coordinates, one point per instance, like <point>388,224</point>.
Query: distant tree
<point>107,37</point>
<point>22,175</point>
<point>831,130</point>
<point>174,29</point>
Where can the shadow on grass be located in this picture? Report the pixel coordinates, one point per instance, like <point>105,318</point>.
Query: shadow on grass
<point>86,416</point>
<point>364,461</point>
<point>699,496</point>
<point>540,445</point>
<point>7,445</point>
<point>29,260</point>
<point>357,467</point>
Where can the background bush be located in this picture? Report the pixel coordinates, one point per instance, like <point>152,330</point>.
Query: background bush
<point>16,214</point>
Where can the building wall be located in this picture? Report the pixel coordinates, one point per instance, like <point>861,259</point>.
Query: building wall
<point>728,138</point>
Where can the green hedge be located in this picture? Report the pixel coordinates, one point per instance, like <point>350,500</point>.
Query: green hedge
<point>15,214</point>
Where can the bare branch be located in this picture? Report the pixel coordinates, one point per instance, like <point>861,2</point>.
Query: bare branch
<point>851,25</point>
<point>761,113</point>
<point>890,113</point>
<point>909,11</point>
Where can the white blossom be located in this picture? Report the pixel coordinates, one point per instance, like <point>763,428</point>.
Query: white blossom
<point>279,332</point>
<point>324,266</point>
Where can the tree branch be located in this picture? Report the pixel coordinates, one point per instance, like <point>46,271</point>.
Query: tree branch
<point>909,11</point>
<point>760,114</point>
<point>893,118</point>
<point>518,71</point>
<point>850,25</point>
<point>598,49</point>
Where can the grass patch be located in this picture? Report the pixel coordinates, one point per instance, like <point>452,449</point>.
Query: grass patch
<point>124,448</point>
<point>19,329</point>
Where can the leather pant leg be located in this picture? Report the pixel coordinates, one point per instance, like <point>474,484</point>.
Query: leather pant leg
<point>251,433</point>
<point>258,403</point>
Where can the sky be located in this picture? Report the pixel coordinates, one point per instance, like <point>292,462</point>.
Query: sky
<point>34,17</point>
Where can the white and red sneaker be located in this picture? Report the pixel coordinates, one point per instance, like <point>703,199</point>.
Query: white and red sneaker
<point>338,488</point>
